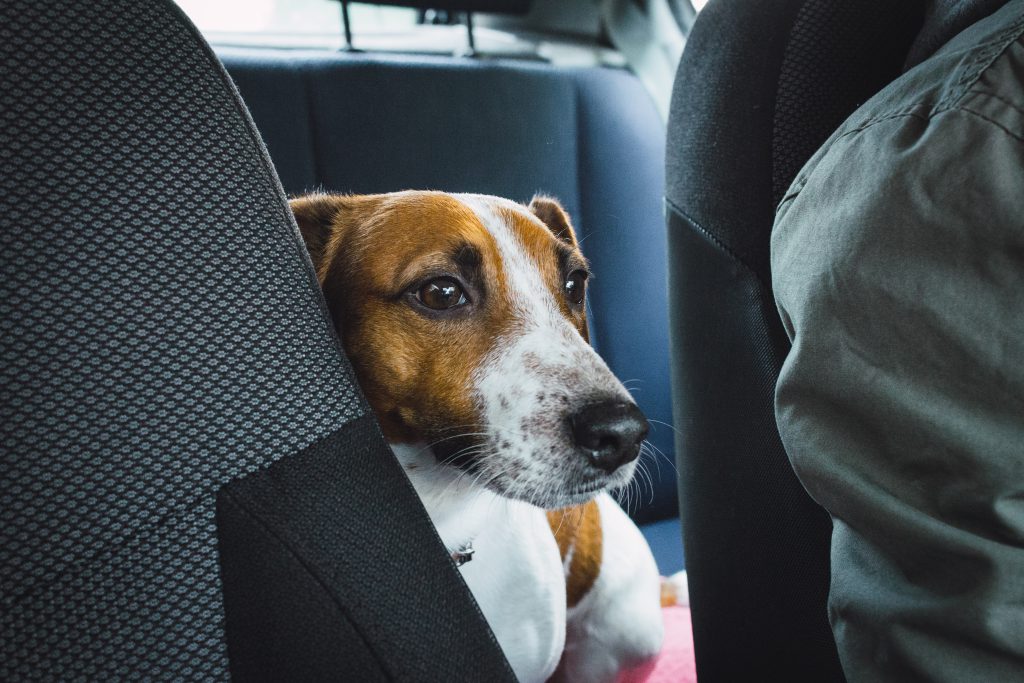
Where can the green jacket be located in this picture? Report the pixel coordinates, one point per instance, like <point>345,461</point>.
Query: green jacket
<point>898,269</point>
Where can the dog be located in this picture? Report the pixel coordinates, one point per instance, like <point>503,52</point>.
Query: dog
<point>464,318</point>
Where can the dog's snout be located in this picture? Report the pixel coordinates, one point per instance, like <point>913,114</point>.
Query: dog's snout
<point>609,433</point>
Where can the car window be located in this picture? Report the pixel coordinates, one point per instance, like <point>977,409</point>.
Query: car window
<point>301,23</point>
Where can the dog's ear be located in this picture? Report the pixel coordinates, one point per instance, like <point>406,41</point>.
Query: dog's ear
<point>316,215</point>
<point>551,213</point>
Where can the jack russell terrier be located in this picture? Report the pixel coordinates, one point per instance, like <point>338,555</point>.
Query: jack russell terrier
<point>464,318</point>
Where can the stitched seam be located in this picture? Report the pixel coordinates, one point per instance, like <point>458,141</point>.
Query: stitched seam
<point>906,112</point>
<point>1019,137</point>
<point>708,235</point>
<point>987,55</point>
<point>983,93</point>
<point>311,570</point>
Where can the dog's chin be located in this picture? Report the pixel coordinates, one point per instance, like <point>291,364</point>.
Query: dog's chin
<point>546,482</point>
<point>554,492</point>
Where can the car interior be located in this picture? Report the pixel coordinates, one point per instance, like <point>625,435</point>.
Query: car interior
<point>193,484</point>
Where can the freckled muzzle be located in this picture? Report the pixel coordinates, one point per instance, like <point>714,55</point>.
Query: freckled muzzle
<point>560,427</point>
<point>559,433</point>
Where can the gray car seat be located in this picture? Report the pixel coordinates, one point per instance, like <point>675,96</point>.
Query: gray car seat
<point>191,484</point>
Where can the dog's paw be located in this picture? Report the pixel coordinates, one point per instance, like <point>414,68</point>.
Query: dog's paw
<point>675,590</point>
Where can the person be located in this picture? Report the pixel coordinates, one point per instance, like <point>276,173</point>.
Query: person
<point>898,270</point>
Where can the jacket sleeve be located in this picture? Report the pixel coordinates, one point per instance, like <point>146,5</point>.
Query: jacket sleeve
<point>898,268</point>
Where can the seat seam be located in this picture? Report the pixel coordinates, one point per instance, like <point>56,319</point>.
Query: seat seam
<point>716,241</point>
<point>310,569</point>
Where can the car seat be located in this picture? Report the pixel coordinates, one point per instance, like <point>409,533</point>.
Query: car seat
<point>192,484</point>
<point>759,88</point>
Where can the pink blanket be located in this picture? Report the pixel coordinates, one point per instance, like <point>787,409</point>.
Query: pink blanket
<point>675,664</point>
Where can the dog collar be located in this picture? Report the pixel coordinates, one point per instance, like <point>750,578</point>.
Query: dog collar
<point>463,554</point>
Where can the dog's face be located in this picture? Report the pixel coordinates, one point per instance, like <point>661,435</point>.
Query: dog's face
<point>464,318</point>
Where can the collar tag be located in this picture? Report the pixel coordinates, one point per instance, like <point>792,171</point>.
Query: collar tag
<point>463,555</point>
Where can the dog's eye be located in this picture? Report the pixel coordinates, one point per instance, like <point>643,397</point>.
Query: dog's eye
<point>575,287</point>
<point>441,293</point>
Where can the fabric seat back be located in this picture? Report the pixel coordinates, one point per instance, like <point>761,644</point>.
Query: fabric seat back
<point>759,88</point>
<point>191,484</point>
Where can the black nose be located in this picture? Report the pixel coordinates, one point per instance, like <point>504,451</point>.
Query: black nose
<point>609,433</point>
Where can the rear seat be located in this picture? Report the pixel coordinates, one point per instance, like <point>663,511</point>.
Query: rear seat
<point>588,136</point>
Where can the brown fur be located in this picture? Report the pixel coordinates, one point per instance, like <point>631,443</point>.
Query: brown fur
<point>578,529</point>
<point>414,370</point>
<point>551,213</point>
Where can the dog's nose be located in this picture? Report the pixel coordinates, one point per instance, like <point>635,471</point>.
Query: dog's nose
<point>609,433</point>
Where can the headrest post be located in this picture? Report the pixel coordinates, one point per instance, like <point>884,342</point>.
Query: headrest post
<point>348,26</point>
<point>469,35</point>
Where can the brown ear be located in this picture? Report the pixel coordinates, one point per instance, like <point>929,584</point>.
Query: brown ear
<point>551,213</point>
<point>316,215</point>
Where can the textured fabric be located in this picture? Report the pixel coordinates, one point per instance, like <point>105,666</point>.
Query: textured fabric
<point>943,20</point>
<point>899,271</point>
<point>720,173</point>
<point>759,87</point>
<point>591,137</point>
<point>838,54</point>
<point>330,614</point>
<point>162,333</point>
<point>154,295</point>
<point>756,544</point>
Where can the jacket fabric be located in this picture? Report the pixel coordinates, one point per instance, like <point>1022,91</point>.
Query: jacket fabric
<point>898,269</point>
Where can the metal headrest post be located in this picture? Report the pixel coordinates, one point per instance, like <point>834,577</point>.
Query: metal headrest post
<point>348,26</point>
<point>469,34</point>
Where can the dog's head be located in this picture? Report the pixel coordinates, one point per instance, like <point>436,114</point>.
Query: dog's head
<point>464,318</point>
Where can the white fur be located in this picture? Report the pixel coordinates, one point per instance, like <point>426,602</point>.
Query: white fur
<point>526,386</point>
<point>530,379</point>
<point>516,572</point>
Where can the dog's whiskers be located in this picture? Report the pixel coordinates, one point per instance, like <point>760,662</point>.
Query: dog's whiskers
<point>628,492</point>
<point>665,424</point>
<point>651,456</point>
<point>647,477</point>
<point>648,448</point>
<point>460,435</point>
<point>657,451</point>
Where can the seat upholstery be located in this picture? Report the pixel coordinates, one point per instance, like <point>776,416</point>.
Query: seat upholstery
<point>590,137</point>
<point>191,484</point>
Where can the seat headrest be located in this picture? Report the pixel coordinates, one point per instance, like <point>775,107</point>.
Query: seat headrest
<point>943,20</point>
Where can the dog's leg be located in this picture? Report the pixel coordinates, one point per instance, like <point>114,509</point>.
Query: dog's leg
<point>617,626</point>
